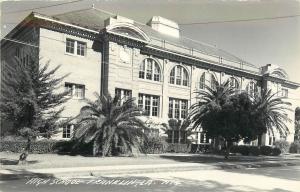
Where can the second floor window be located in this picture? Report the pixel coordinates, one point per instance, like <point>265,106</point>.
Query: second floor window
<point>75,90</point>
<point>150,104</point>
<point>150,70</point>
<point>179,76</point>
<point>75,47</point>
<point>178,108</point>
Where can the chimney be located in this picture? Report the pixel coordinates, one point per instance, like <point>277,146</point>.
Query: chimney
<point>164,26</point>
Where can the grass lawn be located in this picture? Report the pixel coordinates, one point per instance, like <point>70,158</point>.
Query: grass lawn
<point>9,160</point>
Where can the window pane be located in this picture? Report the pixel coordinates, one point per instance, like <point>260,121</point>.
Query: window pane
<point>202,81</point>
<point>176,106</point>
<point>156,72</point>
<point>69,88</point>
<point>172,76</point>
<point>81,47</point>
<point>178,75</point>
<point>147,104</point>
<point>170,108</point>
<point>79,91</point>
<point>183,109</point>
<point>140,101</point>
<point>142,71</point>
<point>70,46</point>
<point>185,78</point>
<point>149,69</point>
<point>155,104</point>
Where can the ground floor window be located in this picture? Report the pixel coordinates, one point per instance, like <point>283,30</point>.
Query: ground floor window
<point>123,94</point>
<point>150,104</point>
<point>271,140</point>
<point>201,138</point>
<point>75,90</point>
<point>67,131</point>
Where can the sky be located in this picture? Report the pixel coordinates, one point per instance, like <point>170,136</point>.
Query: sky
<point>260,42</point>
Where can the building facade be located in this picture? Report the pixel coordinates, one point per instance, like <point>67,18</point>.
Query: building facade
<point>151,62</point>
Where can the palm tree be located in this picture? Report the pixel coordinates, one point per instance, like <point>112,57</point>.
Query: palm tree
<point>108,123</point>
<point>211,99</point>
<point>269,112</point>
<point>206,112</point>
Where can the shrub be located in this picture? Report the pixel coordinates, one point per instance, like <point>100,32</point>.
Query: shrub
<point>282,145</point>
<point>266,150</point>
<point>242,149</point>
<point>42,146</point>
<point>155,145</point>
<point>254,150</point>
<point>295,147</point>
<point>276,151</point>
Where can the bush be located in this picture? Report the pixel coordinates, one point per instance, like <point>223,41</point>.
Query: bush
<point>254,150</point>
<point>266,150</point>
<point>295,147</point>
<point>276,151</point>
<point>242,149</point>
<point>155,145</point>
<point>282,145</point>
<point>17,145</point>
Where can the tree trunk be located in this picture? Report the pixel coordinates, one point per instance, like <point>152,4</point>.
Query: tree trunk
<point>24,155</point>
<point>228,147</point>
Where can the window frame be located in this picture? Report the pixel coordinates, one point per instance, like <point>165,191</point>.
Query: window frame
<point>150,104</point>
<point>67,131</point>
<point>73,89</point>
<point>177,112</point>
<point>79,47</point>
<point>179,76</point>
<point>150,70</point>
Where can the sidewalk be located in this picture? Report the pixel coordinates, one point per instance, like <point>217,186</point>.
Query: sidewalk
<point>190,164</point>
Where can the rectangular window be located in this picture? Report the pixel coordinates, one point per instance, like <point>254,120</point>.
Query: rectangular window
<point>75,90</point>
<point>284,92</point>
<point>123,94</point>
<point>142,71</point>
<point>79,91</point>
<point>81,48</point>
<point>67,131</point>
<point>70,44</point>
<point>178,108</point>
<point>150,104</point>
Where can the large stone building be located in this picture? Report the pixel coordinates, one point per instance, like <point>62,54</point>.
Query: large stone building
<point>152,62</point>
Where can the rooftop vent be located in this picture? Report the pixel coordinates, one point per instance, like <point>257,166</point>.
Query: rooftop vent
<point>164,26</point>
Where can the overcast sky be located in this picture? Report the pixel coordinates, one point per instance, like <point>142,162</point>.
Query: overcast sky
<point>259,42</point>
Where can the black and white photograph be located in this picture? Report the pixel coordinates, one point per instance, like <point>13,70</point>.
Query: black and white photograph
<point>150,96</point>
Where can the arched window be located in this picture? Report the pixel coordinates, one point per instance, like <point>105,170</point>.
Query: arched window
<point>213,81</point>
<point>252,88</point>
<point>207,79</point>
<point>149,69</point>
<point>233,83</point>
<point>179,76</point>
